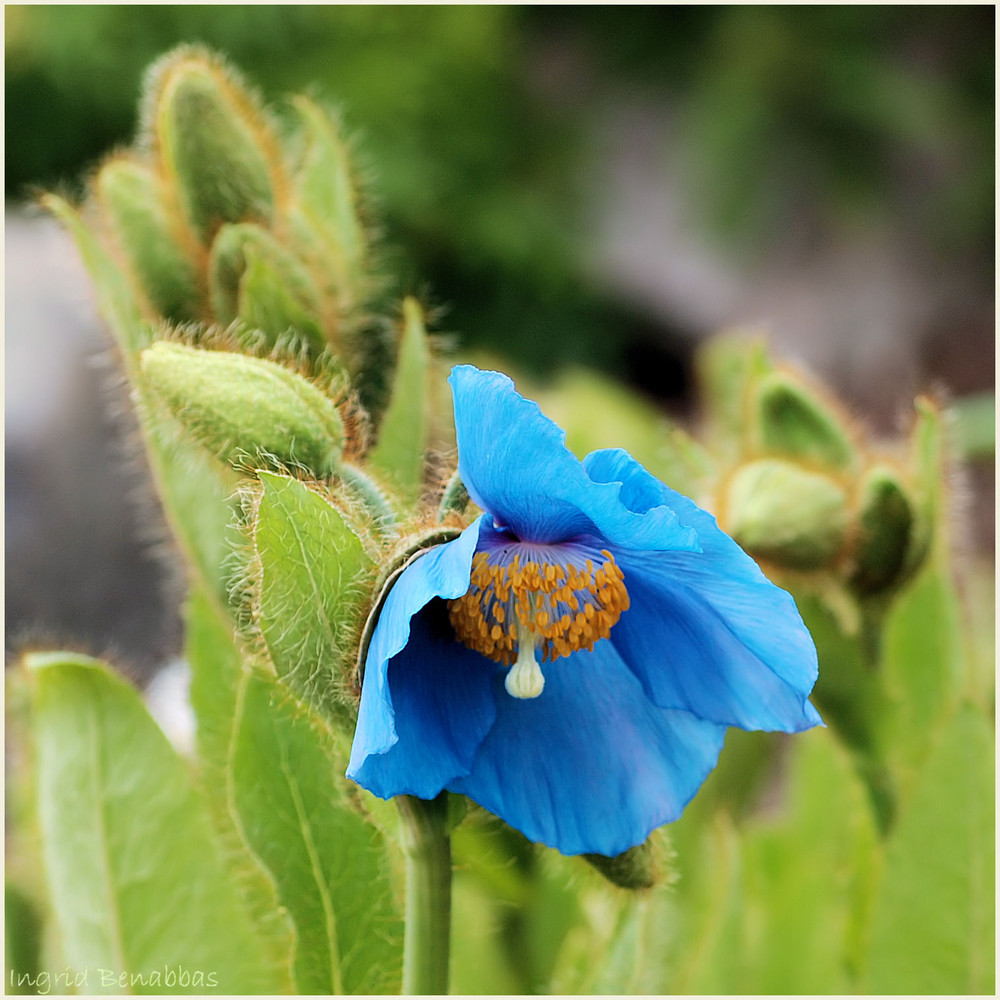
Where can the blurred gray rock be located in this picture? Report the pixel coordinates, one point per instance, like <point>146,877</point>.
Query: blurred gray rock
<point>84,539</point>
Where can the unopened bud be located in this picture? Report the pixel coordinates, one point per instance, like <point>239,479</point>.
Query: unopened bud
<point>885,526</point>
<point>796,422</point>
<point>211,137</point>
<point>133,197</point>
<point>254,278</point>
<point>786,514</point>
<point>633,869</point>
<point>241,407</point>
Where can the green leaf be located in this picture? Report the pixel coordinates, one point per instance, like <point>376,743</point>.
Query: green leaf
<point>608,954</point>
<point>704,929</point>
<point>193,490</point>
<point>115,298</point>
<point>924,630</point>
<point>514,905</point>
<point>196,491</point>
<point>851,696</point>
<point>807,870</point>
<point>928,446</point>
<point>140,888</point>
<point>776,903</point>
<point>922,665</point>
<point>933,925</point>
<point>403,433</point>
<point>22,941</point>
<point>312,566</point>
<point>328,861</point>
<point>328,195</point>
<point>976,425</point>
<point>216,690</point>
<point>275,771</point>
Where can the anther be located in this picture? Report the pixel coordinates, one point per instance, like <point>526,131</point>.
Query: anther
<point>513,611</point>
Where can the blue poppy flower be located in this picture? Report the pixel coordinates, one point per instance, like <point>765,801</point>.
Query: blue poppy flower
<point>573,659</point>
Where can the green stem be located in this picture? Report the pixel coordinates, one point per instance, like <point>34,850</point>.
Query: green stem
<point>428,894</point>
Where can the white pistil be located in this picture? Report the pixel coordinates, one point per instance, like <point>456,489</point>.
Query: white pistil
<point>525,679</point>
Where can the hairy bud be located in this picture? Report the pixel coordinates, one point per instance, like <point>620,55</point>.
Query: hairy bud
<point>212,142</point>
<point>796,423</point>
<point>254,278</point>
<point>885,527</point>
<point>633,869</point>
<point>328,199</point>
<point>242,408</point>
<point>784,513</point>
<point>132,195</point>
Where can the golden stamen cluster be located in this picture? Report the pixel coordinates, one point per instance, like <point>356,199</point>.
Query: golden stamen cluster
<point>567,608</point>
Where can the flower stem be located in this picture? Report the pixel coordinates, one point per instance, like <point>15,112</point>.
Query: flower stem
<point>427,849</point>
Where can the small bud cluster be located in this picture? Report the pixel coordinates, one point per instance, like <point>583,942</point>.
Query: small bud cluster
<point>244,244</point>
<point>221,218</point>
<point>803,494</point>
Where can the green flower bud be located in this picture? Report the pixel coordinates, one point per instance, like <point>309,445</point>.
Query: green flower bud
<point>797,423</point>
<point>243,408</point>
<point>133,197</point>
<point>213,142</point>
<point>885,526</point>
<point>364,488</point>
<point>254,278</point>
<point>634,869</point>
<point>929,447</point>
<point>781,512</point>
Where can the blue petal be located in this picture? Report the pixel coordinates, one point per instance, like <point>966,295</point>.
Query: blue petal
<point>708,632</point>
<point>515,464</point>
<point>590,766</point>
<point>443,571</point>
<point>443,702</point>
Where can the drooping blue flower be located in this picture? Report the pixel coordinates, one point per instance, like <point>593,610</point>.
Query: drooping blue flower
<point>573,659</point>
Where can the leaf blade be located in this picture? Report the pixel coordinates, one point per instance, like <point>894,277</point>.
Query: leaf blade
<point>932,928</point>
<point>328,862</point>
<point>273,767</point>
<point>312,565</point>
<point>403,434</point>
<point>112,792</point>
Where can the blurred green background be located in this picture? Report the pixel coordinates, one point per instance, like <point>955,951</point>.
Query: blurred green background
<point>487,131</point>
<point>598,186</point>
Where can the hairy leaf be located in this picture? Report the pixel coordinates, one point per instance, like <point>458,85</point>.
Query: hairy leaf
<point>311,567</point>
<point>276,773</point>
<point>328,861</point>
